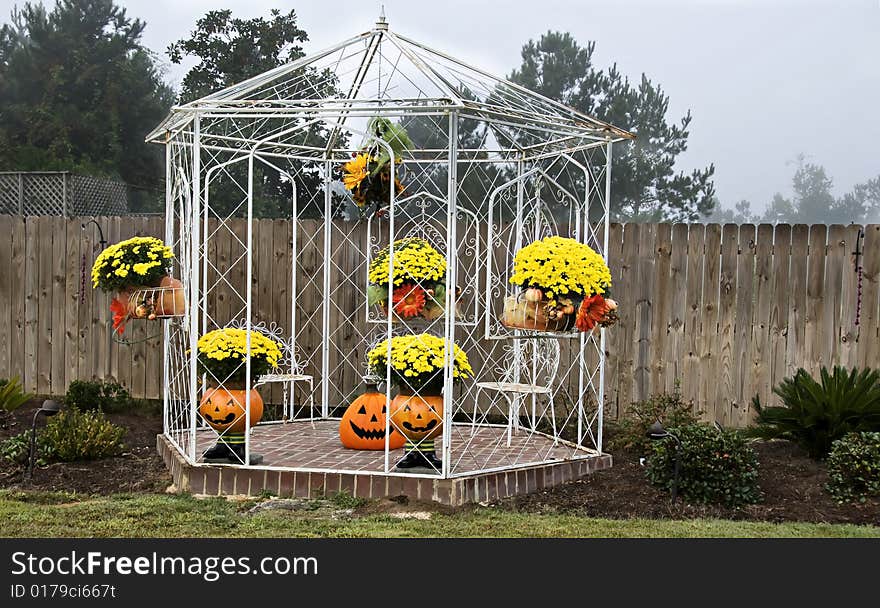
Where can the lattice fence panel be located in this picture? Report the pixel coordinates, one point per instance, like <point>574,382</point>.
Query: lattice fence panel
<point>59,194</point>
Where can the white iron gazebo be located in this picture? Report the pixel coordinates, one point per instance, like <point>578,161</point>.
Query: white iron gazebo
<point>493,167</point>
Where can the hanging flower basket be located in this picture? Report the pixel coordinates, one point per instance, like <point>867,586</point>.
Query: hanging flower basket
<point>564,288</point>
<point>367,176</point>
<point>138,270</point>
<point>418,289</point>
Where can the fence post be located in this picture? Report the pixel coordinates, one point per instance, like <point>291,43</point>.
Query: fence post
<point>20,194</point>
<point>64,194</point>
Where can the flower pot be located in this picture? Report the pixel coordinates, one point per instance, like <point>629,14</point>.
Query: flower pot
<point>170,301</point>
<point>223,409</point>
<point>520,313</point>
<point>144,302</point>
<point>417,417</point>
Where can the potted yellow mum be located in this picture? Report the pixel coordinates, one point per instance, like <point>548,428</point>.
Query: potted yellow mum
<point>222,357</point>
<point>417,363</point>
<point>418,288</point>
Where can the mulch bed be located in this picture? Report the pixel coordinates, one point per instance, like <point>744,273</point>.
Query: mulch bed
<point>138,469</point>
<point>792,483</point>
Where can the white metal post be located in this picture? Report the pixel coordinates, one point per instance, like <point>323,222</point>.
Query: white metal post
<point>606,217</point>
<point>451,282</point>
<point>325,311</point>
<point>194,285</point>
<point>248,381</point>
<point>166,327</point>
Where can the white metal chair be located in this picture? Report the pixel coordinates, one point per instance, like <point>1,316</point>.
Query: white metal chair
<point>290,370</point>
<point>531,369</point>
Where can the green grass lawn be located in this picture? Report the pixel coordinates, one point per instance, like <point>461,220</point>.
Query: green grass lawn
<point>159,515</point>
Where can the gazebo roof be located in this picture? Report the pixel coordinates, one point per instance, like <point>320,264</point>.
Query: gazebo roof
<point>382,72</point>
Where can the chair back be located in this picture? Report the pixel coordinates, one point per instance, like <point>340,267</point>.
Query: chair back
<point>533,361</point>
<point>288,363</point>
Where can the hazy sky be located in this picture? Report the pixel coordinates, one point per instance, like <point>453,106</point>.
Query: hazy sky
<point>764,79</point>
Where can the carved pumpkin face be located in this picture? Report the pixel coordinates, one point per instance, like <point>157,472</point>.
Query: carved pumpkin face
<point>223,409</point>
<point>417,417</point>
<point>363,424</point>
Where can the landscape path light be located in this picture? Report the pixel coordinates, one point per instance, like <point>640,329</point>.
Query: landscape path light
<point>657,433</point>
<point>49,408</point>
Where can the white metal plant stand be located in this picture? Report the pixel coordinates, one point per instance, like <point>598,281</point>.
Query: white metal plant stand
<point>493,167</point>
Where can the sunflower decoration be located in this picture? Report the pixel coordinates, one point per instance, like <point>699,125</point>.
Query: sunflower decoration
<point>367,176</point>
<point>418,285</point>
<point>565,285</point>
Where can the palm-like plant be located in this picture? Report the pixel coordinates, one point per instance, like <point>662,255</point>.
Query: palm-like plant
<point>815,414</point>
<point>11,395</point>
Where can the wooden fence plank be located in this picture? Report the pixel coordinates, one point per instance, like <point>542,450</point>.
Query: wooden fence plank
<point>760,359</point>
<point>745,294</point>
<point>848,343</point>
<point>726,323</point>
<point>44,306</point>
<point>7,223</point>
<point>57,331</point>
<point>835,256</point>
<point>800,235</point>
<point>85,369</point>
<point>78,280</point>
<point>690,386</point>
<point>18,292</point>
<point>661,302</point>
<point>674,346</point>
<point>779,312</point>
<point>643,313</point>
<point>709,343</point>
<point>814,358</point>
<point>627,306</point>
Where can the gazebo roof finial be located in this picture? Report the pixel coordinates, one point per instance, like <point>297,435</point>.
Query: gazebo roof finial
<point>382,24</point>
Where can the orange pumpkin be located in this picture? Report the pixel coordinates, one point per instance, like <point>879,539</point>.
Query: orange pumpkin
<point>417,417</point>
<point>223,409</point>
<point>363,424</point>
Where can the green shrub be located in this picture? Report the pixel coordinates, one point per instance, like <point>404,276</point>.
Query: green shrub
<point>854,467</point>
<point>631,431</point>
<point>717,466</point>
<point>75,435</point>
<point>815,414</point>
<point>11,395</point>
<point>16,448</point>
<point>88,395</point>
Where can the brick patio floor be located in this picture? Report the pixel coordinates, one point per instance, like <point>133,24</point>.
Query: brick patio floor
<point>306,461</point>
<point>303,446</point>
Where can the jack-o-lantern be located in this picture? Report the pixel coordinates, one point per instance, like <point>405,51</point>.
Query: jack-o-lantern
<point>223,409</point>
<point>363,424</point>
<point>417,417</point>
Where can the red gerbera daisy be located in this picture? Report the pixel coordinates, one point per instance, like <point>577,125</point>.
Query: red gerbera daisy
<point>408,300</point>
<point>592,310</point>
<point>120,314</point>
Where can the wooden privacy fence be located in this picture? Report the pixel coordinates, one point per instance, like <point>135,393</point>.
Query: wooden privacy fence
<point>722,312</point>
